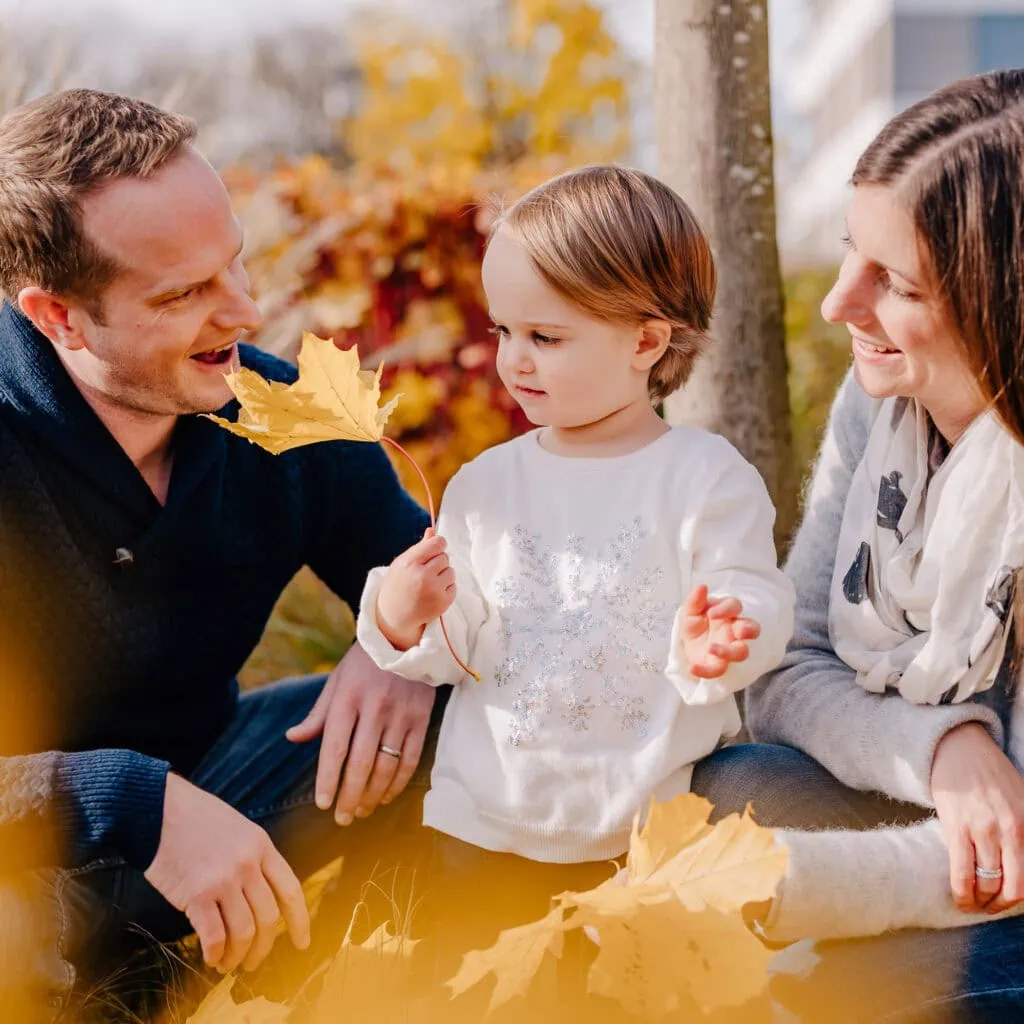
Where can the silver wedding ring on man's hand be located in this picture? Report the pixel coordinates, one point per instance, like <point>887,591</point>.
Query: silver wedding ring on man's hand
<point>988,875</point>
<point>391,752</point>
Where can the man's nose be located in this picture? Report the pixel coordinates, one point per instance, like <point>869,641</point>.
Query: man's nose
<point>238,311</point>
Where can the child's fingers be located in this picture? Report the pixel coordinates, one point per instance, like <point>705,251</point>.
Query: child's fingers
<point>725,608</point>
<point>735,650</point>
<point>697,602</point>
<point>710,668</point>
<point>423,551</point>
<point>746,629</point>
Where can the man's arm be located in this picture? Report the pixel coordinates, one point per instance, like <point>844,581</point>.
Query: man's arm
<point>71,808</point>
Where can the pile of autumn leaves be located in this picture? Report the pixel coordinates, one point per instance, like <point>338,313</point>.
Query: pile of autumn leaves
<point>670,938</point>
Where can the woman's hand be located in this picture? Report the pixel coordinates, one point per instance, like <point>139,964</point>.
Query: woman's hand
<point>979,797</point>
<point>713,634</point>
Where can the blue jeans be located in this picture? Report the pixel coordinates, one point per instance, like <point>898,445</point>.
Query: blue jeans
<point>64,931</point>
<point>971,974</point>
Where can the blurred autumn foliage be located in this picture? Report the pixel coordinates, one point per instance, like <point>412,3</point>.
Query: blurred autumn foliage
<point>384,251</point>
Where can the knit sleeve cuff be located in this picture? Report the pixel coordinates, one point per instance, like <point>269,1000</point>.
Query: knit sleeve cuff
<point>110,802</point>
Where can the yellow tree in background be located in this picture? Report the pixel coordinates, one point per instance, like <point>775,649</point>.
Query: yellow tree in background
<point>550,82</point>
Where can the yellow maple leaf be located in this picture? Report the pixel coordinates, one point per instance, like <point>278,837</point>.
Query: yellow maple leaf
<point>514,959</point>
<point>370,978</point>
<point>219,1008</point>
<point>333,400</point>
<point>665,958</point>
<point>672,934</point>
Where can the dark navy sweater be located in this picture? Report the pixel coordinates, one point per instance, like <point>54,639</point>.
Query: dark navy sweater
<point>123,622</point>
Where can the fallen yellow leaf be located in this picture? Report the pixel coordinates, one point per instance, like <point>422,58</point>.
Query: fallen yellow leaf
<point>514,959</point>
<point>370,978</point>
<point>665,958</point>
<point>219,1008</point>
<point>333,400</point>
<point>672,935</point>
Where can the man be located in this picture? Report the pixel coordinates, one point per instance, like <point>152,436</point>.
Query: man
<point>141,551</point>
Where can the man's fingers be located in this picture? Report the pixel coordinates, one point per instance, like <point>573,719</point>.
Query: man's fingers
<point>240,926</point>
<point>288,891</point>
<point>266,914</point>
<point>313,724</point>
<point>359,764</point>
<point>412,749</point>
<point>333,752</point>
<point>384,771</point>
<point>204,916</point>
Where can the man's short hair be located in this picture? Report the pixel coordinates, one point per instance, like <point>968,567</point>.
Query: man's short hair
<point>54,152</point>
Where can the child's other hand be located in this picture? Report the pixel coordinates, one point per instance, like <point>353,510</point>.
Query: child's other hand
<point>418,587</point>
<point>712,633</point>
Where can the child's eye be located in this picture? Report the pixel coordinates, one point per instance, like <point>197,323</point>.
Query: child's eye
<point>846,241</point>
<point>498,331</point>
<point>544,339</point>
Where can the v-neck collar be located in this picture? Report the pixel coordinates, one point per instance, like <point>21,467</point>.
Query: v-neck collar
<point>47,404</point>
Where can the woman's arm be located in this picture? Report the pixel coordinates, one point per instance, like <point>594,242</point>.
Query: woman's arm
<point>813,701</point>
<point>845,884</point>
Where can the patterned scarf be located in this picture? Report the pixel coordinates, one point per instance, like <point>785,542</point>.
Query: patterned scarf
<point>927,560</point>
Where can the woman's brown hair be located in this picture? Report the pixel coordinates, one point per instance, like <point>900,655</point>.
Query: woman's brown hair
<point>955,161</point>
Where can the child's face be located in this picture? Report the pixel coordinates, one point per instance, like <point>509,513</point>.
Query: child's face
<point>564,367</point>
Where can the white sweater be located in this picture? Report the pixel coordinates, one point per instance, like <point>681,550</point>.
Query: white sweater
<point>569,574</point>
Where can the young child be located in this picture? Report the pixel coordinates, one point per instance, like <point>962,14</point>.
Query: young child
<point>613,580</point>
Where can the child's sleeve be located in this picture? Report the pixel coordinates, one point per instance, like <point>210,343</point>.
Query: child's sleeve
<point>730,547</point>
<point>430,661</point>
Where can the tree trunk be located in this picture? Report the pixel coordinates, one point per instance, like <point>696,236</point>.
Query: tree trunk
<point>713,116</point>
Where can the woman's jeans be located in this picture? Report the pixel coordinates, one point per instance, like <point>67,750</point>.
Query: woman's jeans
<point>966,974</point>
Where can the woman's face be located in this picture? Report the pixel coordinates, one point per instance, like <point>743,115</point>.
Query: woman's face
<point>903,341</point>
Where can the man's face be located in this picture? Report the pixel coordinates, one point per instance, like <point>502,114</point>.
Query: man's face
<point>170,320</point>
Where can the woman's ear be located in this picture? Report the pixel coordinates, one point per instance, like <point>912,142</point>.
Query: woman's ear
<point>652,341</point>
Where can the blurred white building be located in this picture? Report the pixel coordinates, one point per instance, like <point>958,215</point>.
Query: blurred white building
<point>856,63</point>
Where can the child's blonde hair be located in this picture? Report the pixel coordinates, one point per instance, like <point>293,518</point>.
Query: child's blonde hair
<point>623,247</point>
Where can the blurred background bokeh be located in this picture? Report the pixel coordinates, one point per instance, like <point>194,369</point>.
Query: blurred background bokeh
<point>367,144</point>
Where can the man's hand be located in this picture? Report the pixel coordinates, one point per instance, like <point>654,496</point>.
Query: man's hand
<point>418,587</point>
<point>712,633</point>
<point>361,709</point>
<point>223,872</point>
<point>979,798</point>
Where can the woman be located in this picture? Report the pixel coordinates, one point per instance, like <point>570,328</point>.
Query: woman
<point>932,291</point>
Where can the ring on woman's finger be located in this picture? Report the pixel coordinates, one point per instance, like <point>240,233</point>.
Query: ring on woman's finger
<point>988,874</point>
<point>391,752</point>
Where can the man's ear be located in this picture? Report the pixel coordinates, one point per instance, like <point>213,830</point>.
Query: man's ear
<point>652,341</point>
<point>52,316</point>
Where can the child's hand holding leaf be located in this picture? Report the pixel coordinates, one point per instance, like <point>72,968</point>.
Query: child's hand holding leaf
<point>418,587</point>
<point>712,633</point>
